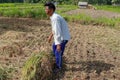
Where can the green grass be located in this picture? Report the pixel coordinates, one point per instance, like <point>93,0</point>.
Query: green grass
<point>65,8</point>
<point>7,5</point>
<point>37,11</point>
<point>25,10</point>
<point>78,18</point>
<point>108,21</point>
<point>86,20</point>
<point>20,4</point>
<point>109,8</point>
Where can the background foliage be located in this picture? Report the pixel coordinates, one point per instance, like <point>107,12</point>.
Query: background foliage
<point>108,2</point>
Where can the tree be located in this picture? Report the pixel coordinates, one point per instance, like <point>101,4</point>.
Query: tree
<point>108,2</point>
<point>115,1</point>
<point>10,1</point>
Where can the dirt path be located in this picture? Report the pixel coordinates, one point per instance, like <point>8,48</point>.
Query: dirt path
<point>93,53</point>
<point>94,13</point>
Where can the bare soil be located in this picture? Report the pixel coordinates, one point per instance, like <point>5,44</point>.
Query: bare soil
<point>93,53</point>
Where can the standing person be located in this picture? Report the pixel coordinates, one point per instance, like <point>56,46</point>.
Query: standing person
<point>60,33</point>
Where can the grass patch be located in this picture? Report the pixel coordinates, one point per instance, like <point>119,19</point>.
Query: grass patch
<point>107,21</point>
<point>65,8</point>
<point>85,20</point>
<point>7,5</point>
<point>31,13</point>
<point>37,11</point>
<point>82,18</point>
<point>68,6</point>
<point>25,10</point>
<point>109,8</point>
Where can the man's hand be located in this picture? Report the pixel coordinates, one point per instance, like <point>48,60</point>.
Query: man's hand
<point>58,47</point>
<point>50,37</point>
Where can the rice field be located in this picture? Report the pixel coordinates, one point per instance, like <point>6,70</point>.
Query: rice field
<point>109,8</point>
<point>92,53</point>
<point>27,10</point>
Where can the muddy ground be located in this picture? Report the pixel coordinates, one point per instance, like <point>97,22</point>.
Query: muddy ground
<point>93,53</point>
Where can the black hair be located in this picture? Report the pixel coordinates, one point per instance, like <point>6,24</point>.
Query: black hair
<point>50,5</point>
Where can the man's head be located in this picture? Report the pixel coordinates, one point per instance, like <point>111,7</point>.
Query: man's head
<point>49,8</point>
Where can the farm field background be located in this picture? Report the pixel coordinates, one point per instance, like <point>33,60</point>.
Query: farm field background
<point>93,52</point>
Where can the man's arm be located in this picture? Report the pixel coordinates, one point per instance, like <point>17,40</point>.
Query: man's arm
<point>58,45</point>
<point>50,37</point>
<point>57,33</point>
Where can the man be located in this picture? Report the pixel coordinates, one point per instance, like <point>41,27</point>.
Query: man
<point>60,33</point>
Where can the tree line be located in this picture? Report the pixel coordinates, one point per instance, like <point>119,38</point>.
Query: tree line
<point>106,2</point>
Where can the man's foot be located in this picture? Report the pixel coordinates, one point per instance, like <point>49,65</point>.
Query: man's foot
<point>56,70</point>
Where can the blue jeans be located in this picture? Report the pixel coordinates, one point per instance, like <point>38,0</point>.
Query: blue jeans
<point>59,54</point>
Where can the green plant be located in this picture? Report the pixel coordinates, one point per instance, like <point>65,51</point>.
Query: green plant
<point>109,8</point>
